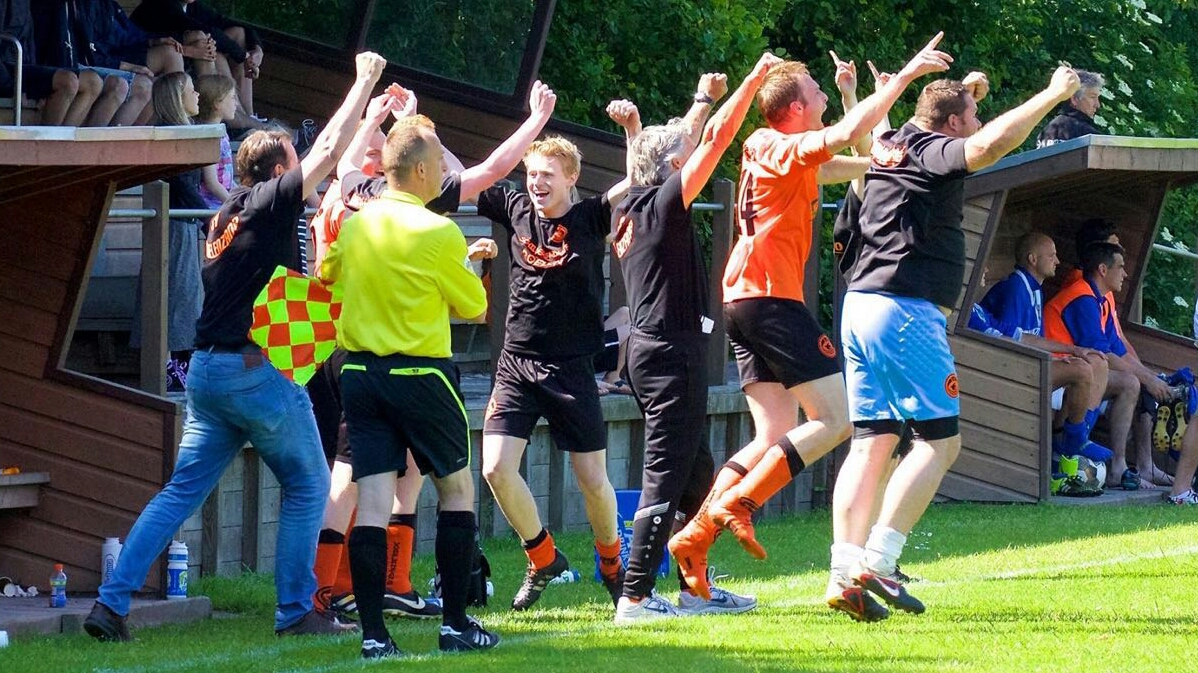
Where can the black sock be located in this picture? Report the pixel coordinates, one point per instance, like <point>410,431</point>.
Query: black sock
<point>682,585</point>
<point>330,536</point>
<point>367,565</point>
<point>455,558</point>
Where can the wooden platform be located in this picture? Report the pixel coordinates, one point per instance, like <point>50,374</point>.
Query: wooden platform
<point>33,617</point>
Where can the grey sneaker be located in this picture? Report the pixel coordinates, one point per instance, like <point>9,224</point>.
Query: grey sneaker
<point>649,608</point>
<point>723,602</point>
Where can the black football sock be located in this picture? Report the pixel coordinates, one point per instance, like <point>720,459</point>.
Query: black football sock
<point>455,552</point>
<point>368,565</point>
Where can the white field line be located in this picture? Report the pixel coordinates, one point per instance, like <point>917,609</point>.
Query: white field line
<point>267,654</point>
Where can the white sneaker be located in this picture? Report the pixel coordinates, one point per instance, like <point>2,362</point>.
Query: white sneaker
<point>649,608</point>
<point>723,602</point>
<point>1189,497</point>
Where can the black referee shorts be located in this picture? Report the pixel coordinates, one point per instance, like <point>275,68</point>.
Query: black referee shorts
<point>778,341</point>
<point>565,393</point>
<point>397,403</point>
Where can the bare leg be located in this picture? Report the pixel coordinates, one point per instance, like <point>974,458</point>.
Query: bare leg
<point>590,469</point>
<point>111,97</point>
<point>71,98</point>
<point>1123,390</point>
<point>164,59</point>
<point>915,482</point>
<point>501,469</point>
<point>136,102</point>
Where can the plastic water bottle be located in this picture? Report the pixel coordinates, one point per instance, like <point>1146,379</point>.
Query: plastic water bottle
<point>58,587</point>
<point>109,553</point>
<point>568,576</point>
<point>176,571</point>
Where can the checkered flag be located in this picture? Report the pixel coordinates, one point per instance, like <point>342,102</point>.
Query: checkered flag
<point>295,323</point>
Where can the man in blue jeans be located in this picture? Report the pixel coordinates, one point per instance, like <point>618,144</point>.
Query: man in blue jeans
<point>234,394</point>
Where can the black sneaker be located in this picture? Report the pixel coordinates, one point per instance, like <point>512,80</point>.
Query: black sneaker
<point>317,623</point>
<point>342,606</point>
<point>614,585</point>
<point>473,637</point>
<point>535,581</point>
<point>904,577</point>
<point>887,588</point>
<point>411,604</point>
<point>105,625</point>
<point>373,649</point>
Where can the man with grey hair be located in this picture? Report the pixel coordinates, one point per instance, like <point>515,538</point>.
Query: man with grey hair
<point>1076,118</point>
<point>666,280</point>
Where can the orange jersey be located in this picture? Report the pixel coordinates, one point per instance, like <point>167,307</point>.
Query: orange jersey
<point>777,201</point>
<point>325,225</point>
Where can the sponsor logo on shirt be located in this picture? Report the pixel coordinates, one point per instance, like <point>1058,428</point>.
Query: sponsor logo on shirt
<point>623,236</point>
<point>887,154</point>
<point>214,249</point>
<point>555,252</point>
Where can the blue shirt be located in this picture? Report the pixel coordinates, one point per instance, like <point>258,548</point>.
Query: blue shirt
<point>1017,301</point>
<point>983,321</point>
<point>1083,319</point>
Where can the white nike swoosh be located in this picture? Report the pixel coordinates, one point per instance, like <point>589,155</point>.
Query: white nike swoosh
<point>417,604</point>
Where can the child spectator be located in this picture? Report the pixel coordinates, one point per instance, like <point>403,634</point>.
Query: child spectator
<point>175,102</point>
<point>217,104</point>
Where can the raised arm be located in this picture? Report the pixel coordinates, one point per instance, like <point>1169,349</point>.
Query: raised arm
<point>712,87</point>
<point>846,83</point>
<point>994,140</point>
<point>335,137</point>
<point>721,130</point>
<point>541,101</point>
<point>628,117</point>
<point>376,113</point>
<point>866,115</point>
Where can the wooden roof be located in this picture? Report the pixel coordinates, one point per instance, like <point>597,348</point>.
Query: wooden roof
<point>107,448</point>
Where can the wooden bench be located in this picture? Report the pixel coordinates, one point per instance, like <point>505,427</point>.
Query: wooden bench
<point>19,491</point>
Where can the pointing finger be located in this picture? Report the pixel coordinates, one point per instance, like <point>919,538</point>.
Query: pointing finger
<point>935,40</point>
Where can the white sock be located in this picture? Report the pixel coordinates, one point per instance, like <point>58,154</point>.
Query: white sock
<point>844,554</point>
<point>883,549</point>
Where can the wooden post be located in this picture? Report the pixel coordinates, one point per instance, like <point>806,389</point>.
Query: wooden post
<point>722,224</point>
<point>155,234</point>
<point>251,518</point>
<point>500,284</point>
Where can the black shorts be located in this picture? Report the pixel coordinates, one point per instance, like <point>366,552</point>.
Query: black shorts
<point>398,403</point>
<point>324,389</point>
<point>565,393</point>
<point>778,341</point>
<point>37,81</point>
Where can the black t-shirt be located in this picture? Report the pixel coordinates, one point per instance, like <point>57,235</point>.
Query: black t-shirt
<point>555,307</point>
<point>663,268</point>
<point>846,234</point>
<point>357,190</point>
<point>911,239</point>
<point>1069,124</point>
<point>254,232</point>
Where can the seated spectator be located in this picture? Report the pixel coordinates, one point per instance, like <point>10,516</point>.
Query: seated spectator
<point>1081,314</point>
<point>237,49</point>
<point>1076,118</point>
<point>217,103</point>
<point>95,35</point>
<point>1016,303</point>
<point>66,98</point>
<point>610,361</point>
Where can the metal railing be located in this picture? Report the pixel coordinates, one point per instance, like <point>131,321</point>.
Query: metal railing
<point>18,78</point>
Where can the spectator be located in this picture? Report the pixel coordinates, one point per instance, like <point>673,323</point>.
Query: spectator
<point>1081,314</point>
<point>235,49</point>
<point>610,361</point>
<point>67,98</point>
<point>1016,303</point>
<point>1076,118</point>
<point>175,102</point>
<point>217,105</point>
<point>88,35</point>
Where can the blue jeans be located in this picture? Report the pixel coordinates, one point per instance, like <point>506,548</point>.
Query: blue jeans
<point>232,399</point>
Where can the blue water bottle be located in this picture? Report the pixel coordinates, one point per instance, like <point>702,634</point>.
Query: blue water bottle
<point>58,587</point>
<point>176,571</point>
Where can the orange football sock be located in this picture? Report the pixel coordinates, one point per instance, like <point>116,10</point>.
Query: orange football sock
<point>609,558</point>
<point>540,550</point>
<point>344,583</point>
<point>401,535</point>
<point>328,557</point>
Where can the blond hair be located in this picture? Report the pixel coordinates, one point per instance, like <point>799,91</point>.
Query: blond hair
<point>212,90</point>
<point>557,146</point>
<point>780,89</point>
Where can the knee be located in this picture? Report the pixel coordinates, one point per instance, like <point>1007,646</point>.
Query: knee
<point>592,479</point>
<point>497,474</point>
<point>115,87</point>
<point>141,89</point>
<point>71,84</point>
<point>237,34</point>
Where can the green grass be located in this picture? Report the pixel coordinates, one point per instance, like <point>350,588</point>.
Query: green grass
<point>1008,588</point>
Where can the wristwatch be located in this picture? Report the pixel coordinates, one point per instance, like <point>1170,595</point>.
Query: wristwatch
<point>703,98</point>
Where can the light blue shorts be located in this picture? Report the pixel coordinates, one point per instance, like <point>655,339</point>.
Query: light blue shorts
<point>897,364</point>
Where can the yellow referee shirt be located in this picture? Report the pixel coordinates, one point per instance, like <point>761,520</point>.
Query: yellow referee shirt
<point>401,269</point>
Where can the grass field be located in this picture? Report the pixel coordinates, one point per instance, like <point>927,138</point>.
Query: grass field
<point>1008,588</point>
